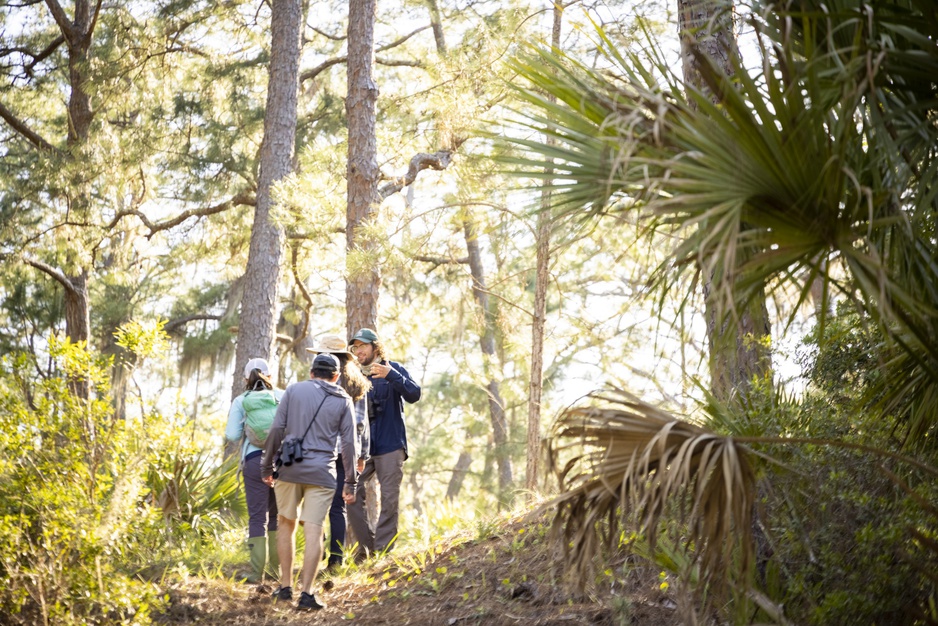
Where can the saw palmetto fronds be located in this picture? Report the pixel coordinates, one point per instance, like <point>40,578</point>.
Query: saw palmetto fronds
<point>624,459</point>
<point>820,167</point>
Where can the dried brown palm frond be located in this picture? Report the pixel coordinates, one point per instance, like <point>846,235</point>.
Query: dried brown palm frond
<point>626,459</point>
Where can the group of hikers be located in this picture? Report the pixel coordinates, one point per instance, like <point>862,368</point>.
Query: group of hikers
<point>308,451</point>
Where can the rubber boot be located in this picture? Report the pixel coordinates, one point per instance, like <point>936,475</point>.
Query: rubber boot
<point>273,559</point>
<point>258,549</point>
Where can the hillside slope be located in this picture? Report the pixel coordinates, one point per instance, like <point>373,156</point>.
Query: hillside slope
<point>510,575</point>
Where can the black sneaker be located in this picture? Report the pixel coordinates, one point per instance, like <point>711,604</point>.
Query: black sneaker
<point>282,594</point>
<point>309,602</point>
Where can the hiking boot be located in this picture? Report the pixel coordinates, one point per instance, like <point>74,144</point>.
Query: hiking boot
<point>309,602</point>
<point>282,594</point>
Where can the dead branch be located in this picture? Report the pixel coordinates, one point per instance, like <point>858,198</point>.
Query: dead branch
<point>436,161</point>
<point>53,272</point>
<point>398,42</point>
<point>173,324</point>
<point>242,199</point>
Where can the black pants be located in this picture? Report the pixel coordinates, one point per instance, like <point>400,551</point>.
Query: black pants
<point>337,520</point>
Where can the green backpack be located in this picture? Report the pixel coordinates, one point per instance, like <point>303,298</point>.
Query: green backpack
<point>259,410</point>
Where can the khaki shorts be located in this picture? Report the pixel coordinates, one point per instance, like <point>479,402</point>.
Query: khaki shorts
<point>316,501</point>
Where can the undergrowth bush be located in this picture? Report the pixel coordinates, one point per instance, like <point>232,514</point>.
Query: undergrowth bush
<point>95,509</point>
<point>849,527</point>
<point>68,477</point>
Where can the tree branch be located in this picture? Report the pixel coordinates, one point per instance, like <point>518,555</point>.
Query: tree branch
<point>398,42</point>
<point>35,56</point>
<point>242,198</point>
<point>440,260</point>
<point>53,272</point>
<point>398,62</point>
<point>437,161</point>
<point>67,28</point>
<point>319,69</point>
<point>327,35</point>
<point>309,301</point>
<point>20,126</point>
<point>48,50</point>
<point>94,18</point>
<point>172,325</point>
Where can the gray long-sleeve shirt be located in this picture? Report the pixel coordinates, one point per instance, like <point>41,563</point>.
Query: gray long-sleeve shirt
<point>336,417</point>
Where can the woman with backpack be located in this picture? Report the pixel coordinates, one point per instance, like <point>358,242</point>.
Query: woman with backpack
<point>356,386</point>
<point>249,421</point>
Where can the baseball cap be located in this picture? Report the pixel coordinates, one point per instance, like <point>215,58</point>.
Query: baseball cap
<point>256,364</point>
<point>325,361</point>
<point>365,335</point>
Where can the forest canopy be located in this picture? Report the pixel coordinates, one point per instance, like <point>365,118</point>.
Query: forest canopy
<point>668,267</point>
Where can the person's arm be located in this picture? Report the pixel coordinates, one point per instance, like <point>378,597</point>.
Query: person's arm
<point>363,428</point>
<point>402,383</point>
<point>274,438</point>
<point>350,452</point>
<point>234,429</point>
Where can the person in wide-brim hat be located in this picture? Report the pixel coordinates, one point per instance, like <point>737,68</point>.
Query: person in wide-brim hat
<point>330,344</point>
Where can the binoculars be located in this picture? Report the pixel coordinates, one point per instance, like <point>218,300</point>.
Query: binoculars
<point>291,451</point>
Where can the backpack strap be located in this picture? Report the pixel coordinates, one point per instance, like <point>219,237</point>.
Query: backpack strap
<point>306,432</point>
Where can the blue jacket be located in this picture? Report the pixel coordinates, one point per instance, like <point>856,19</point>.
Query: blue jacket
<point>386,398</point>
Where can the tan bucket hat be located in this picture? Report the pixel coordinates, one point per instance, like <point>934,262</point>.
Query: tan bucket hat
<point>330,344</point>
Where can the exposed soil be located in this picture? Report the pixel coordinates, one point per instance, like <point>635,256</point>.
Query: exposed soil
<point>511,577</point>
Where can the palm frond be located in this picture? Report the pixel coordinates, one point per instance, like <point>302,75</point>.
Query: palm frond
<point>828,153</point>
<point>626,458</point>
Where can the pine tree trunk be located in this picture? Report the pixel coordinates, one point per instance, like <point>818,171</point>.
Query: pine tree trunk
<point>436,23</point>
<point>257,325</point>
<point>80,114</point>
<point>737,339</point>
<point>362,287</point>
<point>539,321</point>
<point>458,477</point>
<point>487,343</point>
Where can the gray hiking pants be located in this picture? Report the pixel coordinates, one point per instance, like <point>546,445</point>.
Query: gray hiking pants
<point>388,469</point>
<point>262,505</point>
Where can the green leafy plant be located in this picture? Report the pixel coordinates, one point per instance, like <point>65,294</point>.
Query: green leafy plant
<point>68,486</point>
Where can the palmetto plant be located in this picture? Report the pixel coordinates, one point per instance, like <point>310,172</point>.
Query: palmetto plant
<point>820,165</point>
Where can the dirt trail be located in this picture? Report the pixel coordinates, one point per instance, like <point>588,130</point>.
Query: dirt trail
<point>512,577</point>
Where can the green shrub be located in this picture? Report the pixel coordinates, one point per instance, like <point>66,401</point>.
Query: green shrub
<point>68,484</point>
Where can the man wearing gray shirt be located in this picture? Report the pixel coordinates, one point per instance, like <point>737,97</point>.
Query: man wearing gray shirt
<point>300,454</point>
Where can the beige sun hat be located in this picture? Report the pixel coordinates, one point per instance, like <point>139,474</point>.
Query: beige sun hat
<point>330,344</point>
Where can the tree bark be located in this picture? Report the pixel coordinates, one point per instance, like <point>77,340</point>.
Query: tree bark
<point>460,471</point>
<point>539,321</point>
<point>436,23</point>
<point>487,343</point>
<point>257,325</point>
<point>362,287</point>
<point>737,338</point>
<point>80,117</point>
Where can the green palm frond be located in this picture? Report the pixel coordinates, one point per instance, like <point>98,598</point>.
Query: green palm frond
<point>823,165</point>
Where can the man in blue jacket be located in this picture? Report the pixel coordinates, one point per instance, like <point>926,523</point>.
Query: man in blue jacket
<point>391,386</point>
